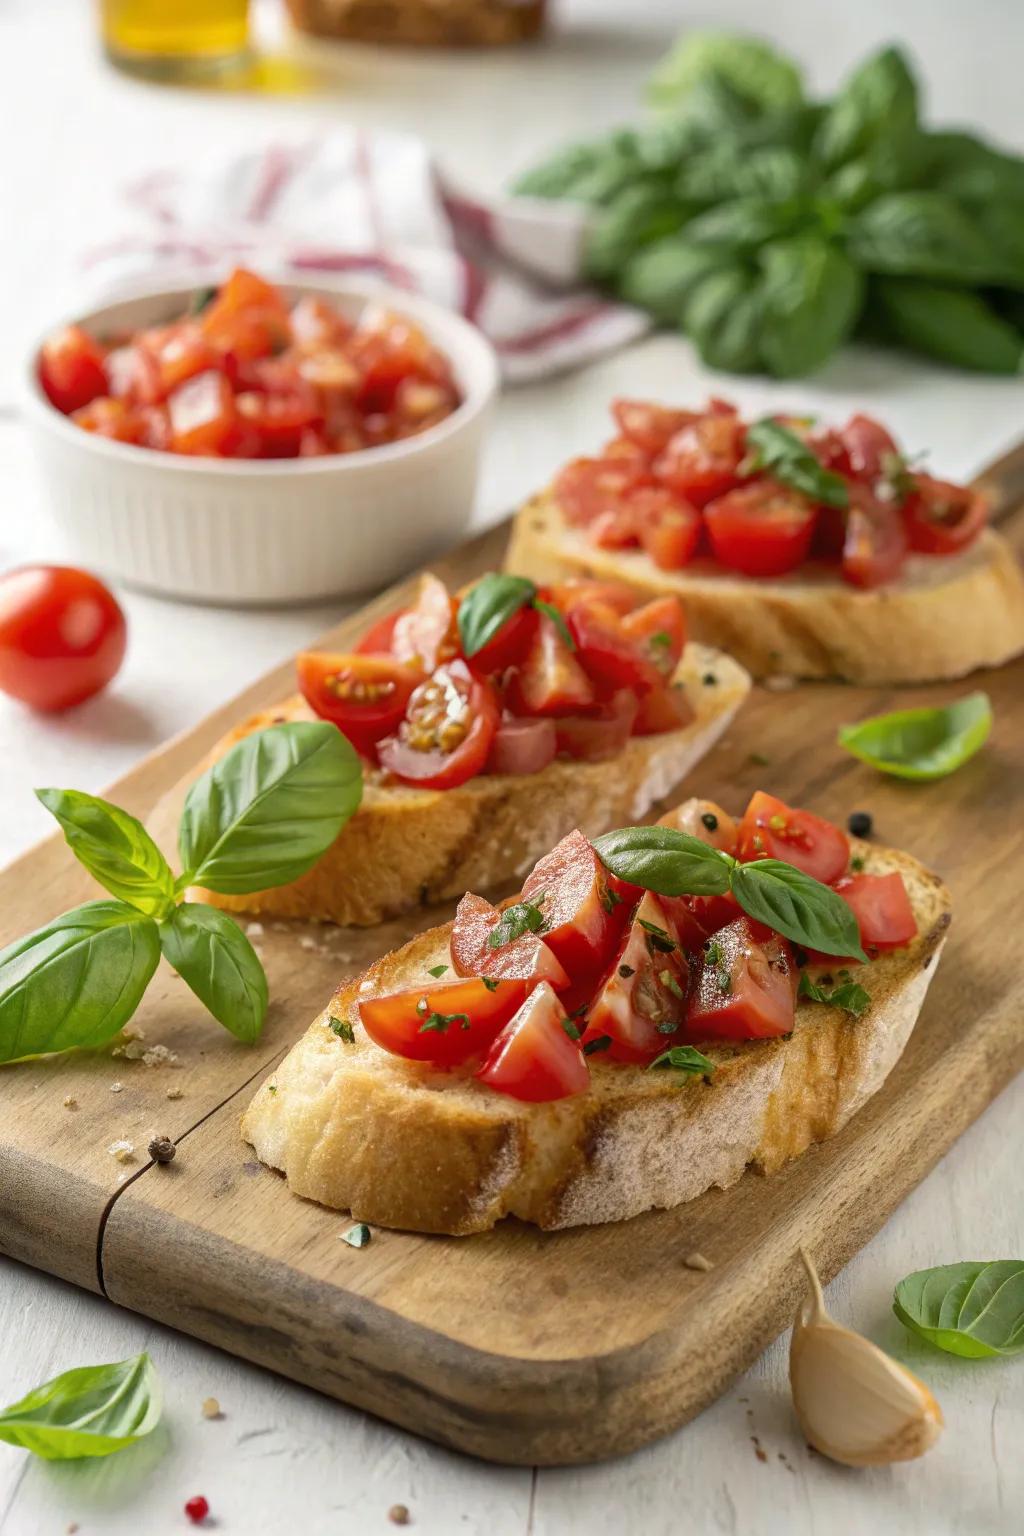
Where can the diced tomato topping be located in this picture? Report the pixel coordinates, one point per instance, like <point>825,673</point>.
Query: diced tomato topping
<point>696,918</point>
<point>659,629</point>
<point>315,323</point>
<point>510,646</point>
<point>666,707</point>
<point>641,1003</point>
<point>447,1024</point>
<point>588,489</point>
<point>602,732</point>
<point>941,518</point>
<point>446,735</point>
<point>379,637</point>
<point>772,829</point>
<point>704,819</point>
<point>365,696</point>
<point>882,908</point>
<point>869,449</point>
<point>762,529</point>
<point>550,679</point>
<point>427,633</point>
<point>701,461</point>
<point>71,369</point>
<point>522,745</point>
<point>203,415</point>
<point>387,348</point>
<point>610,656</point>
<point>526,958</point>
<point>180,355</point>
<point>111,418</point>
<point>608,594</point>
<point>669,528</point>
<point>650,426</point>
<point>745,986</point>
<point>134,374</point>
<point>569,887</point>
<point>535,1057</point>
<point>875,545</point>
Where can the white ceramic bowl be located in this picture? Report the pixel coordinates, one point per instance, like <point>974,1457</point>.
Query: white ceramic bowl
<point>268,530</point>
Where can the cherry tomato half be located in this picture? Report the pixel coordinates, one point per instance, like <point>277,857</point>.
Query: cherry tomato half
<point>534,1058</point>
<point>772,829</point>
<point>522,745</point>
<point>570,887</point>
<point>875,545</point>
<point>446,735</point>
<point>882,908</point>
<point>550,679</point>
<point>942,518</point>
<point>602,732</point>
<point>650,426</point>
<point>701,460</point>
<point>62,636</point>
<point>659,629</point>
<point>668,527</point>
<point>71,369</point>
<point>762,529</point>
<point>365,696</point>
<point>427,633</point>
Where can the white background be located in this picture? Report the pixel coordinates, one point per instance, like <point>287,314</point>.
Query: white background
<point>73,132</point>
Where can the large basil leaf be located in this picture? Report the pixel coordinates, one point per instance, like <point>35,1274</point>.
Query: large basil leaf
<point>924,743</point>
<point>874,115</point>
<point>744,223</point>
<point>76,981</point>
<point>793,903</point>
<point>663,860</point>
<point>213,956</point>
<point>661,277</point>
<point>765,79</point>
<point>811,296</point>
<point>115,848</point>
<point>723,317</point>
<point>973,1309</point>
<point>951,324</point>
<point>967,167</point>
<point>267,810</point>
<point>728,170</point>
<point>488,604</point>
<point>635,217</point>
<point>92,1411</point>
<point>923,234</point>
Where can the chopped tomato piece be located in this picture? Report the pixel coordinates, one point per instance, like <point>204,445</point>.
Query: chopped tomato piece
<point>600,733</point>
<point>110,418</point>
<point>550,680</point>
<point>522,745</point>
<point>869,449</point>
<point>696,918</point>
<point>527,958</point>
<point>446,735</point>
<point>701,460</point>
<point>762,529</point>
<point>875,544</point>
<point>588,489</point>
<point>704,819</point>
<point>203,415</point>
<point>650,426</point>
<point>315,323</point>
<point>386,349</point>
<point>665,707</point>
<point>365,696</point>
<point>882,908</point>
<point>641,1003</point>
<point>182,353</point>
<point>570,888</point>
<point>535,1058</point>
<point>610,656</point>
<point>942,518</point>
<point>280,421</point>
<point>668,527</point>
<point>134,374</point>
<point>447,1024</point>
<point>772,829</point>
<point>71,369</point>
<point>617,528</point>
<point>609,594</point>
<point>427,633</point>
<point>248,317</point>
<point>156,427</point>
<point>745,988</point>
<point>659,629</point>
<point>378,638</point>
<point>509,647</point>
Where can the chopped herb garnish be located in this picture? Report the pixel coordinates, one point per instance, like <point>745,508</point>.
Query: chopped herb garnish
<point>758,759</point>
<point>667,1026</point>
<point>437,970</point>
<point>490,982</point>
<point>600,1044</point>
<point>684,1058</point>
<point>709,679</point>
<point>343,1029</point>
<point>625,971</point>
<point>357,1236</point>
<point>610,899</point>
<point>849,995</point>
<point>659,939</point>
<point>570,1029</point>
<point>713,950</point>
<point>439,1023</point>
<point>271,1087</point>
<point>857,863</point>
<point>660,641</point>
<point>522,917</point>
<point>668,980</point>
<point>201,299</point>
<point>715,958</point>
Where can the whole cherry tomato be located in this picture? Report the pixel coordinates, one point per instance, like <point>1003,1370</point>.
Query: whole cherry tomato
<point>62,636</point>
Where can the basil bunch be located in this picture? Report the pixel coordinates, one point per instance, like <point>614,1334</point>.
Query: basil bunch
<point>673,863</point>
<point>260,817</point>
<point>770,228</point>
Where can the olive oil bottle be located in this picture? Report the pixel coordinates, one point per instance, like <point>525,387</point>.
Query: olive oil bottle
<point>174,39</point>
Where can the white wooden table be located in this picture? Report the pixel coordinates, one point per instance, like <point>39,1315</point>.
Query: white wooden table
<point>281,1457</point>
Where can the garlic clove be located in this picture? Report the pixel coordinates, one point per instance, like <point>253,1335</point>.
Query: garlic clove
<point>854,1404</point>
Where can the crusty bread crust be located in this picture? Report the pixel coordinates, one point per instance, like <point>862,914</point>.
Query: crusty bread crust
<point>406,847</point>
<point>401,1144</point>
<point>947,616</point>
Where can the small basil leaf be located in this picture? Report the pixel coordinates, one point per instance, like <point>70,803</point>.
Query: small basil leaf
<point>213,956</point>
<point>662,276</point>
<point>767,80</point>
<point>798,906</point>
<point>875,107</point>
<point>785,456</point>
<point>723,317</point>
<point>811,297</point>
<point>665,861</point>
<point>76,981</point>
<point>922,743</point>
<point>848,994</point>
<point>972,1309</point>
<point>267,810</point>
<point>683,1058</point>
<point>91,1411</point>
<point>640,213</point>
<point>488,605</point>
<point>521,918</point>
<point>557,620</point>
<point>115,848</point>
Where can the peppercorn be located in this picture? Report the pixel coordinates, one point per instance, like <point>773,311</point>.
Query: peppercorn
<point>710,820</point>
<point>162,1149</point>
<point>197,1509</point>
<point>859,824</point>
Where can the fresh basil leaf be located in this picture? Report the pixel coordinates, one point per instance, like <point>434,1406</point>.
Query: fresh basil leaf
<point>729,169</point>
<point>970,169</point>
<point>971,1309</point>
<point>212,955</point>
<point>92,1411</point>
<point>951,324</point>
<point>745,223</point>
<point>922,233</point>
<point>557,620</point>
<point>922,743</point>
<point>811,297</point>
<point>779,451</point>
<point>662,276</point>
<point>764,78</point>
<point>683,1058</point>
<point>115,848</point>
<point>267,810</point>
<point>798,906</point>
<point>665,861</point>
<point>488,605</point>
<point>77,980</point>
<point>848,994</point>
<point>638,215</point>
<point>586,172</point>
<point>723,318</point>
<point>876,106</point>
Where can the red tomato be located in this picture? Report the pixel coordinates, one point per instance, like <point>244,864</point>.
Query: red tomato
<point>701,461</point>
<point>882,908</point>
<point>378,638</point>
<point>134,374</point>
<point>745,988</point>
<point>609,594</point>
<point>704,819</point>
<point>203,415</point>
<point>650,426</point>
<point>365,696</point>
<point>509,647</point>
<point>71,369</point>
<point>570,887</point>
<point>587,489</point>
<point>522,746</point>
<point>446,1023</point>
<point>942,518</point>
<point>534,1058</point>
<point>696,918</point>
<point>524,959</point>
<point>386,349</point>
<point>610,656</point>
<point>447,732</point>
<point>666,707</point>
<point>111,418</point>
<point>641,1003</point>
<point>601,733</point>
<point>868,447</point>
<point>616,529</point>
<point>182,354</point>
<point>62,636</point>
<point>659,629</point>
<point>315,323</point>
<point>762,529</point>
<point>280,421</point>
<point>550,680</point>
<point>771,829</point>
<point>668,527</point>
<point>248,317</point>
<point>875,545</point>
<point>427,633</point>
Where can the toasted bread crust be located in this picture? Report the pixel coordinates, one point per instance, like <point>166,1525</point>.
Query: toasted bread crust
<point>403,1145</point>
<point>405,847</point>
<point>946,617</point>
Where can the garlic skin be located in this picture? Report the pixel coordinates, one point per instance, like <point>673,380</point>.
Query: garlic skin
<point>854,1404</point>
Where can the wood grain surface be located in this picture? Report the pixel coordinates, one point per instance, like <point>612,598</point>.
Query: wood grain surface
<point>515,1345</point>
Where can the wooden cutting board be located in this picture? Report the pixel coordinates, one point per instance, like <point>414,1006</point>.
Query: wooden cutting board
<point>517,1345</point>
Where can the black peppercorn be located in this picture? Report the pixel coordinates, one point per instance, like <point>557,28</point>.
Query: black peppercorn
<point>710,820</point>
<point>162,1149</point>
<point>859,824</point>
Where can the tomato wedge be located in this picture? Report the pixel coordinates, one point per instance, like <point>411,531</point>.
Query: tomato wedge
<point>875,545</point>
<point>378,638</point>
<point>509,647</point>
<point>610,594</point>
<point>365,696</point>
<point>745,988</point>
<point>534,1058</point>
<point>610,656</point>
<point>522,745</point>
<point>666,707</point>
<point>650,426</point>
<point>446,735</point>
<point>427,633</point>
<point>668,527</point>
<point>942,518</point>
<point>882,908</point>
<point>659,630</point>
<point>570,888</point>
<point>71,369</point>
<point>550,680</point>
<point>527,958</point>
<point>446,1024</point>
<point>602,732</point>
<point>774,830</point>
<point>701,460</point>
<point>762,529</point>
<point>641,1003</point>
<point>587,489</point>
<point>868,447</point>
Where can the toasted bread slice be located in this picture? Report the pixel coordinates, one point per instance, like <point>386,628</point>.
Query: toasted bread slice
<point>945,617</point>
<point>407,847</point>
<point>401,1144</point>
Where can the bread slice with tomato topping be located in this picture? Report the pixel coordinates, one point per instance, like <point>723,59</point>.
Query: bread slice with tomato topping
<point>382,1107</point>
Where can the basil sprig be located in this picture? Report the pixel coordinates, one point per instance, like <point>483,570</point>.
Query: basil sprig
<point>972,1309</point>
<point>92,1411</point>
<point>922,743</point>
<point>673,863</point>
<point>260,817</point>
<point>778,451</point>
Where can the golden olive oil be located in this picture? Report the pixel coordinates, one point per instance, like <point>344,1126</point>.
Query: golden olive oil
<point>174,38</point>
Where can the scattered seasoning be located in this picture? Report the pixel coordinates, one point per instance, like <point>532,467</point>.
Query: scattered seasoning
<point>117,1087</point>
<point>668,980</point>
<point>305,942</point>
<point>438,1023</point>
<point>697,1261</point>
<point>70,1103</point>
<point>197,1509</point>
<point>437,970</point>
<point>491,983</point>
<point>709,680</point>
<point>271,1087</point>
<point>610,899</point>
<point>211,1408</point>
<point>357,1236</point>
<point>162,1149</point>
<point>758,759</point>
<point>123,1150</point>
<point>601,1043</point>
<point>343,1029</point>
<point>570,1029</point>
<point>710,820</point>
<point>522,917</point>
<point>658,939</point>
<point>857,864</point>
<point>175,1093</point>
<point>625,971</point>
<point>759,1450</point>
<point>398,1514</point>
<point>859,824</point>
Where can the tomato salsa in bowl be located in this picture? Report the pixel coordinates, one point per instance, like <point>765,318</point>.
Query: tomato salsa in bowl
<point>262,442</point>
